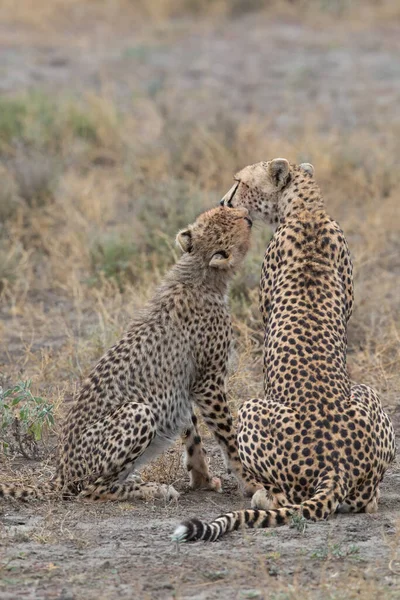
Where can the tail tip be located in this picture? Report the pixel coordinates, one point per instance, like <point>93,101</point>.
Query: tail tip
<point>180,534</point>
<point>190,531</point>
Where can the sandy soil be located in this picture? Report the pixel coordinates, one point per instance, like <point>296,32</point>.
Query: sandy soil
<point>70,551</point>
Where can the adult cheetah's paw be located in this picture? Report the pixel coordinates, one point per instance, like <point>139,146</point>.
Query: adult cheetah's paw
<point>261,500</point>
<point>251,487</point>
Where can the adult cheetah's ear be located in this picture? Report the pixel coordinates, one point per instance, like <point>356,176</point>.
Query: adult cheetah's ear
<point>308,168</point>
<point>184,240</point>
<point>220,260</point>
<point>279,170</point>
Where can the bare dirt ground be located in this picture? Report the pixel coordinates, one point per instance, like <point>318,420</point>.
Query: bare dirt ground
<point>280,70</point>
<point>70,551</point>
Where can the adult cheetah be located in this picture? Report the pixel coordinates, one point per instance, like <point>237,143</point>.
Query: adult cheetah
<point>316,443</point>
<point>141,394</point>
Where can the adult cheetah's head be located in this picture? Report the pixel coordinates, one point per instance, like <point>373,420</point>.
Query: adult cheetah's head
<point>259,187</point>
<point>219,238</point>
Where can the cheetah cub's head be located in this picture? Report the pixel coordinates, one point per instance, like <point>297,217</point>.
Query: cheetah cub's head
<point>219,238</point>
<point>259,187</point>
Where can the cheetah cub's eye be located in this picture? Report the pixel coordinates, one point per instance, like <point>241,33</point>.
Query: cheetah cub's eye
<point>220,259</point>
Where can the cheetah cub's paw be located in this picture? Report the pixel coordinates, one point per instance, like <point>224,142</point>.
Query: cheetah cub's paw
<point>216,485</point>
<point>199,481</point>
<point>168,493</point>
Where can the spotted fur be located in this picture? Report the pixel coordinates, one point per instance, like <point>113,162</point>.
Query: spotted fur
<point>141,394</point>
<point>316,443</point>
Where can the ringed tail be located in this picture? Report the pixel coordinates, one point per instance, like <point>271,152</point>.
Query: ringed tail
<point>317,508</point>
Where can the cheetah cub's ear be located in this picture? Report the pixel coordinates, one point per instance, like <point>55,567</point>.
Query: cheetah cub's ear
<point>278,170</point>
<point>308,168</point>
<point>220,260</point>
<point>184,240</point>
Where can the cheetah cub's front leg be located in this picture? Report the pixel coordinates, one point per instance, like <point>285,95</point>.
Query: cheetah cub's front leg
<point>210,396</point>
<point>196,461</point>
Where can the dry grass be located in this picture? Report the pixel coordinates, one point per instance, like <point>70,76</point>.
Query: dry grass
<point>83,244</point>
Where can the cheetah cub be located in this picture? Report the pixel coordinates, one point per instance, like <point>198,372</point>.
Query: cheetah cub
<point>141,394</point>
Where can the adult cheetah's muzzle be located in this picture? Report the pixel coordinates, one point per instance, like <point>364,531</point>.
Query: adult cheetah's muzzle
<point>227,199</point>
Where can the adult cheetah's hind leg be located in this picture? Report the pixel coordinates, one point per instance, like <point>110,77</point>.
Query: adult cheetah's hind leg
<point>364,499</point>
<point>377,447</point>
<point>196,460</point>
<point>120,439</point>
<point>382,443</point>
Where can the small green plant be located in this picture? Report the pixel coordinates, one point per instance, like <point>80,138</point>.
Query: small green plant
<point>299,522</point>
<point>335,551</point>
<point>270,533</point>
<point>23,420</point>
<point>273,555</point>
